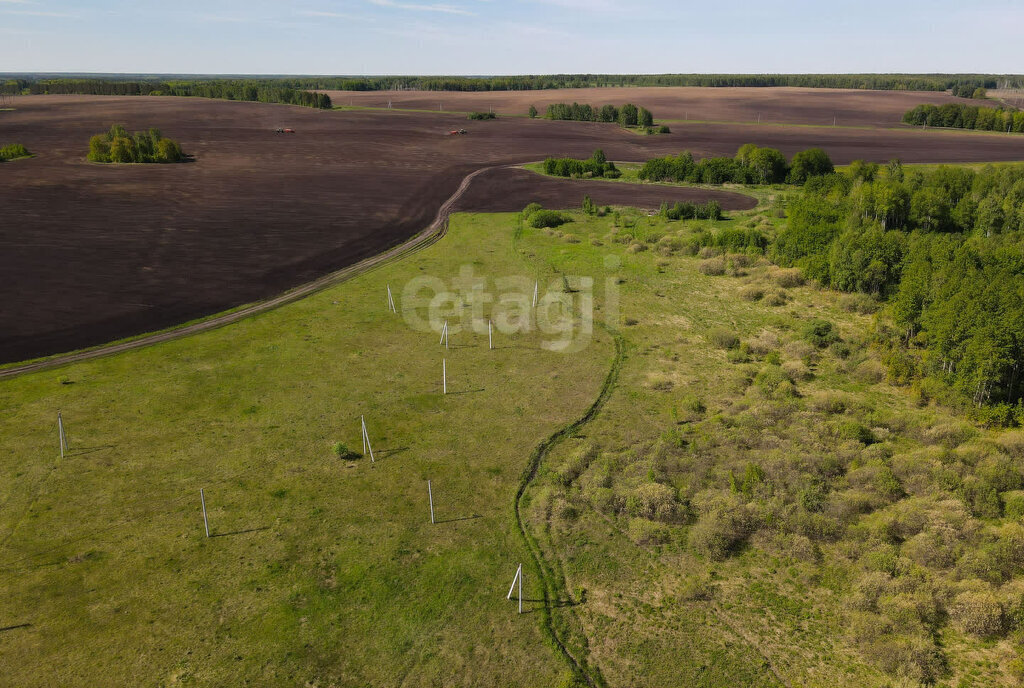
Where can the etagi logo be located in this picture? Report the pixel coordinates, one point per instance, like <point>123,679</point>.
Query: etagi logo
<point>561,309</point>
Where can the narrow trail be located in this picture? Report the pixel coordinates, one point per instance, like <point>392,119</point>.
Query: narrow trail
<point>434,232</point>
<point>544,570</point>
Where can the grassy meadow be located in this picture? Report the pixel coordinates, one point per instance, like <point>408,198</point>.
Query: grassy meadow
<point>321,571</point>
<point>732,493</point>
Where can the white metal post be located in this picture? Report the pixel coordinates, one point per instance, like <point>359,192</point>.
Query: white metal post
<point>62,436</point>
<point>520,588</point>
<point>206,522</point>
<point>490,339</point>
<point>444,376</point>
<point>366,441</point>
<point>536,285</point>
<point>430,494</point>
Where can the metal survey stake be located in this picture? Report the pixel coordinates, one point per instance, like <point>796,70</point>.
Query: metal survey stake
<point>206,522</point>
<point>430,494</point>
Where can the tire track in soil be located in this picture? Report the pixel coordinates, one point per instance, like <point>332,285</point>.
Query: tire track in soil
<point>429,236</point>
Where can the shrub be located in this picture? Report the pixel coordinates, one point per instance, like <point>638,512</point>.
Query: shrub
<point>1013,503</point>
<point>344,453</point>
<point>644,532</point>
<point>820,333</point>
<point>978,613</point>
<point>712,266</point>
<point>13,150</point>
<point>776,298</point>
<point>787,279</point>
<point>752,293</point>
<point>864,304</point>
<point>482,115</point>
<point>773,381</point>
<point>663,129</point>
<point>723,338</point>
<point>547,218</point>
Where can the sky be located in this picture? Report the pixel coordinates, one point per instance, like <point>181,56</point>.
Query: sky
<point>485,37</point>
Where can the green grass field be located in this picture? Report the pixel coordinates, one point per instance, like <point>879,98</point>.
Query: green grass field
<point>326,572</point>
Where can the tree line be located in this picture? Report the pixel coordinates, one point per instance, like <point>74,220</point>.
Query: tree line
<point>138,85</point>
<point>946,248</point>
<point>961,116</point>
<point>751,165</point>
<point>253,90</point>
<point>628,115</point>
<point>118,146</point>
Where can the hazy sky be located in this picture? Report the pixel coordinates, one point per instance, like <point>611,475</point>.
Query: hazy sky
<point>510,36</point>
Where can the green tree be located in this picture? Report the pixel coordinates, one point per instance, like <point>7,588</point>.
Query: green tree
<point>645,118</point>
<point>629,115</point>
<point>809,163</point>
<point>532,112</point>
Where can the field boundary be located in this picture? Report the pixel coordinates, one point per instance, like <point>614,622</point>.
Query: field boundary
<point>580,668</point>
<point>434,232</point>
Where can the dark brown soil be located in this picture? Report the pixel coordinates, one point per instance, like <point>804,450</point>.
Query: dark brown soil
<point>91,253</point>
<point>820,106</point>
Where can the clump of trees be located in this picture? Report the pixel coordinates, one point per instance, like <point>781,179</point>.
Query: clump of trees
<point>118,146</point>
<point>597,165</point>
<point>959,116</point>
<point>628,115</point>
<point>481,115</point>
<point>751,165</point>
<point>12,151</point>
<point>970,89</point>
<point>946,247</point>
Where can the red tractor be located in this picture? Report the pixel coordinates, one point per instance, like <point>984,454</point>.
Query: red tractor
<point>282,130</point>
<point>457,132</point>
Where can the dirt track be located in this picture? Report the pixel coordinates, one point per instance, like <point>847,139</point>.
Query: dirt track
<point>783,105</point>
<point>94,253</point>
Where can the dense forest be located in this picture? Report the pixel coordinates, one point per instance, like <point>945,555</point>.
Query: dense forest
<point>947,248</point>
<point>118,146</point>
<point>966,117</point>
<point>628,115</point>
<point>752,165</point>
<point>134,85</point>
<point>255,90</point>
<point>12,151</point>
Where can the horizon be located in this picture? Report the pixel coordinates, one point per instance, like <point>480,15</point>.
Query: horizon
<point>540,37</point>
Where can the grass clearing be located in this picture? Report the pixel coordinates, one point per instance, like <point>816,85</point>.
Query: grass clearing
<point>323,571</point>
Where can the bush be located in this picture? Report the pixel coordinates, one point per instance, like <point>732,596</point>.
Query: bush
<point>787,279</point>
<point>547,218</point>
<point>752,293</point>
<point>862,304</point>
<point>13,150</point>
<point>820,333</point>
<point>978,613</point>
<point>712,266</point>
<point>723,338</point>
<point>344,453</point>
<point>1013,504</point>
<point>482,115</point>
<point>663,129</point>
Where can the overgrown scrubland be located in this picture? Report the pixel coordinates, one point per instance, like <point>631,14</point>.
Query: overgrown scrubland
<point>758,486</point>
